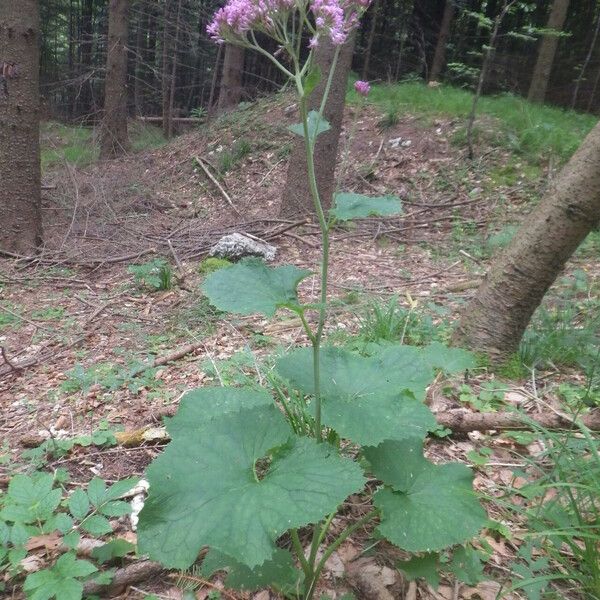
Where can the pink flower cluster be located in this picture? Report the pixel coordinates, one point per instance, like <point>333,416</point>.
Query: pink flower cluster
<point>238,17</point>
<point>362,87</point>
<point>332,18</point>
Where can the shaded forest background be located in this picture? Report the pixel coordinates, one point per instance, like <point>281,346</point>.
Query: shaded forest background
<point>170,54</point>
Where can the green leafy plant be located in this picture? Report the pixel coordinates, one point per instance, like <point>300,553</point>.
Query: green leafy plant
<point>198,113</point>
<point>418,325</point>
<point>33,506</point>
<point>489,398</point>
<point>247,474</point>
<point>231,157</point>
<point>135,374</point>
<point>102,437</point>
<point>464,563</point>
<point>156,274</point>
<point>562,550</point>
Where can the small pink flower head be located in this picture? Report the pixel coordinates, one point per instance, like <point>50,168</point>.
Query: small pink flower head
<point>363,88</point>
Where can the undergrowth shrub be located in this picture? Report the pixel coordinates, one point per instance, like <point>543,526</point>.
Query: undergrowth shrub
<point>157,274</point>
<point>560,555</point>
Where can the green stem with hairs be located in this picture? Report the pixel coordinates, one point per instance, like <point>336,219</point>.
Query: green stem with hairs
<point>333,547</point>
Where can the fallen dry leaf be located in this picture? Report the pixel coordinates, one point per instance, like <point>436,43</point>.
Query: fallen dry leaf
<point>49,541</point>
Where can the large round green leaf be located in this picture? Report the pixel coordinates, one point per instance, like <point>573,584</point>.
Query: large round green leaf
<point>370,420</point>
<point>448,360</point>
<point>199,407</point>
<point>219,490</point>
<point>357,206</point>
<point>363,399</point>
<point>251,287</point>
<point>349,375</point>
<point>278,572</point>
<point>424,507</point>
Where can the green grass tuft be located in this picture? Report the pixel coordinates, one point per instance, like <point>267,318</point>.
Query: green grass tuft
<point>212,264</point>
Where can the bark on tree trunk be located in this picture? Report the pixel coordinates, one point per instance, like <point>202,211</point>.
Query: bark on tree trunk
<point>168,120</point>
<point>213,83</point>
<point>495,320</point>
<point>296,194</point>
<point>141,46</point>
<point>86,41</point>
<point>439,58</point>
<point>586,62</point>
<point>114,139</point>
<point>20,202</point>
<point>485,66</point>
<point>166,72</point>
<point>230,91</point>
<point>369,49</point>
<point>547,51</point>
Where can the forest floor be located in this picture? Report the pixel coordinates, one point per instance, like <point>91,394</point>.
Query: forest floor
<point>82,330</point>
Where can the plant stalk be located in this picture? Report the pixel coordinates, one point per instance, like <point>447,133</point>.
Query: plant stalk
<point>334,546</point>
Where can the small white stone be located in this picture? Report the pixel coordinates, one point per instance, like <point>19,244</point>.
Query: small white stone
<point>236,246</point>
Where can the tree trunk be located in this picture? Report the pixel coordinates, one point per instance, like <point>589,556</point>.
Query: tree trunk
<point>213,82</point>
<point>297,198</point>
<point>488,54</point>
<point>141,48</point>
<point>586,62</point>
<point>168,118</point>
<point>495,320</point>
<point>230,92</point>
<point>371,39</point>
<point>86,41</point>
<point>20,201</point>
<point>114,140</point>
<point>439,58</point>
<point>166,71</point>
<point>547,51</point>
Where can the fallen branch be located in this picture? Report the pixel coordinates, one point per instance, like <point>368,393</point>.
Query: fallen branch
<point>189,120</point>
<point>133,573</point>
<point>159,361</point>
<point>461,421</point>
<point>225,195</point>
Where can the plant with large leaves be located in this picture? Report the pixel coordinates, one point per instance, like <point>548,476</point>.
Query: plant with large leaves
<point>236,477</point>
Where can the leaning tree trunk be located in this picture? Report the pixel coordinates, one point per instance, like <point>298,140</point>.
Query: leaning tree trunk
<point>230,91</point>
<point>20,202</point>
<point>114,139</point>
<point>495,320</point>
<point>548,46</point>
<point>297,198</point>
<point>439,58</point>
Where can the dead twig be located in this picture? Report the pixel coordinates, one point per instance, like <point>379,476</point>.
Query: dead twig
<point>167,358</point>
<point>225,195</point>
<point>202,581</point>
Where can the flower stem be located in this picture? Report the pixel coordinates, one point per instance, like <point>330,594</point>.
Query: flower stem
<point>314,190</point>
<point>306,568</point>
<point>334,546</point>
